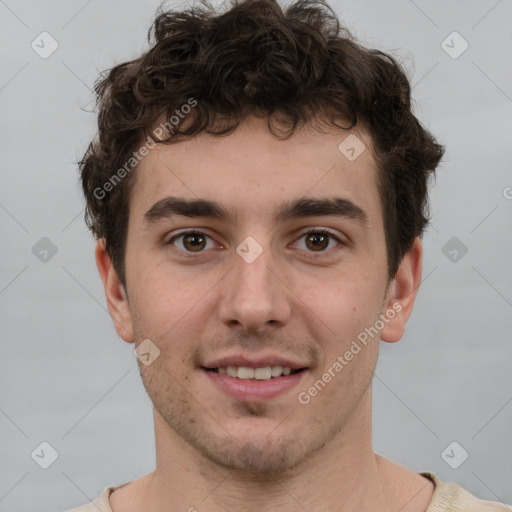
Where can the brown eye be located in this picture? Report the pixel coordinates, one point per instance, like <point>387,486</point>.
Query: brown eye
<point>317,241</point>
<point>194,242</point>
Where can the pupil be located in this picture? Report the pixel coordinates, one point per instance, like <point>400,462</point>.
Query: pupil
<point>194,241</point>
<point>318,240</point>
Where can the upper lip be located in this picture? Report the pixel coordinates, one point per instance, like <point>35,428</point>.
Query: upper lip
<point>253,362</point>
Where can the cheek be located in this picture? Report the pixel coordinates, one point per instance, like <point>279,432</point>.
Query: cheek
<point>164,298</point>
<point>346,305</point>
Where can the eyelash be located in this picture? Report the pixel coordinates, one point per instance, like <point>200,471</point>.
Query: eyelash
<point>191,254</point>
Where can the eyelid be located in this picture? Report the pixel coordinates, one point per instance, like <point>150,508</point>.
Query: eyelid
<point>187,231</point>
<point>325,231</point>
<point>320,229</point>
<point>184,232</point>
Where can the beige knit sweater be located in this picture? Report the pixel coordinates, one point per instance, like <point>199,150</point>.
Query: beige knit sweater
<point>447,497</point>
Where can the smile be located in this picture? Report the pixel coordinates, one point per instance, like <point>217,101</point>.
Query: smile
<point>262,373</point>
<point>244,383</point>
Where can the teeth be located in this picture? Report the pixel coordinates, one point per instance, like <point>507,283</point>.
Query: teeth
<point>264,373</point>
<point>245,373</point>
<point>261,373</point>
<point>276,371</point>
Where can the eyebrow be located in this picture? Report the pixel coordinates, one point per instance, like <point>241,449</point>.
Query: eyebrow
<point>170,206</point>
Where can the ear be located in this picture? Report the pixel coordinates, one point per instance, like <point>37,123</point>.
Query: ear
<point>117,299</point>
<point>402,293</point>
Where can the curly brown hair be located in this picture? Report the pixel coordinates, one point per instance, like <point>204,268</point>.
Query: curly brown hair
<point>292,66</point>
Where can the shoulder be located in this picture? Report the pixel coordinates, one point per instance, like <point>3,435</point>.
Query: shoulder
<point>450,497</point>
<point>100,504</point>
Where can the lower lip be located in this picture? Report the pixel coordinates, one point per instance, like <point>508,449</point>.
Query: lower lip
<point>253,389</point>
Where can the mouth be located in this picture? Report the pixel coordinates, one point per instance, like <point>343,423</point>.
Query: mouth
<point>254,383</point>
<point>260,373</point>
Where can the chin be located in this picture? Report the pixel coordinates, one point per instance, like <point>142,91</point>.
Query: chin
<point>258,460</point>
<point>256,453</point>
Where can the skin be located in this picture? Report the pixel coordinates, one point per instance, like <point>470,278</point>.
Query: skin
<point>215,453</point>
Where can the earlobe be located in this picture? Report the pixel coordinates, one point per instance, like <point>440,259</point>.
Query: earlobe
<point>402,293</point>
<point>117,299</point>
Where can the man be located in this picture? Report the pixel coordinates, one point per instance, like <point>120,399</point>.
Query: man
<point>258,190</point>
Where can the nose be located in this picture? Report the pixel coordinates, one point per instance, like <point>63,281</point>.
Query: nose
<point>254,295</point>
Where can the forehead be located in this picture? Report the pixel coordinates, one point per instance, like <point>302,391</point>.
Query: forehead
<point>251,171</point>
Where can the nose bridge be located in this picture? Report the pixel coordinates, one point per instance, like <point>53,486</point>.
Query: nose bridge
<point>253,296</point>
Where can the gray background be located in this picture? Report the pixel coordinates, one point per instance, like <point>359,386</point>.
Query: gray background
<point>67,379</point>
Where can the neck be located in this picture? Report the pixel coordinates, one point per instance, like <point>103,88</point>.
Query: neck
<point>344,475</point>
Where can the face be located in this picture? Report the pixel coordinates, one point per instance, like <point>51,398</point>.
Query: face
<point>245,255</point>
